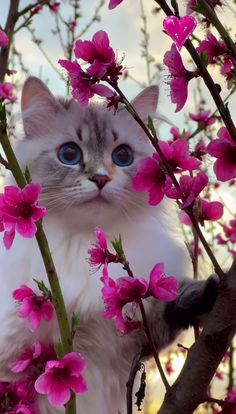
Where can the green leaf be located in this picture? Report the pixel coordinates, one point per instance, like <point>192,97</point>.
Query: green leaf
<point>59,350</point>
<point>27,175</point>
<point>204,58</point>
<point>43,288</point>
<point>151,126</point>
<point>75,320</point>
<point>118,247</point>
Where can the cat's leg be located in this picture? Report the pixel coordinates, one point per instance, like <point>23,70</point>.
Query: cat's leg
<point>196,298</point>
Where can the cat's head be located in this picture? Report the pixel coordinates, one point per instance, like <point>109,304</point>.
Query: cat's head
<point>85,159</point>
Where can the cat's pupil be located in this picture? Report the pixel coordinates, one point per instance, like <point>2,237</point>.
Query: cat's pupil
<point>70,153</point>
<point>123,156</point>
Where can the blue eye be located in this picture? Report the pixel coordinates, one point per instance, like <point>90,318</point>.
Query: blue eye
<point>122,156</point>
<point>70,154</point>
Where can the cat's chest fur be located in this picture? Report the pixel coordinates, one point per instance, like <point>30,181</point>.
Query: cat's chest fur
<point>109,355</point>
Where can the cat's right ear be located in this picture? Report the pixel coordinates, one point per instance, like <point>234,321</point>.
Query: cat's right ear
<point>38,105</point>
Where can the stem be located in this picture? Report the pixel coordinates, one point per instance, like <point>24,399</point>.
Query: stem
<point>223,110</point>
<point>57,297</point>
<point>145,44</point>
<point>231,368</point>
<point>9,28</point>
<point>126,266</point>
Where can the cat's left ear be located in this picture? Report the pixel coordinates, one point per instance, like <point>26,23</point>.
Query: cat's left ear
<point>145,103</point>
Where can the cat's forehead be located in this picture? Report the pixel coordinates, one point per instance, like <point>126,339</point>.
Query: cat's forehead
<point>95,127</point>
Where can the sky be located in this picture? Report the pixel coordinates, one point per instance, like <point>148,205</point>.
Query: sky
<point>123,27</point>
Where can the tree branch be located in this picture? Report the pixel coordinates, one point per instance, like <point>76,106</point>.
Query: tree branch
<point>190,388</point>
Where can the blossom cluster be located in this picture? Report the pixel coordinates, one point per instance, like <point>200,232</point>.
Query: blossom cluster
<point>122,296</point>
<point>103,66</point>
<point>40,372</point>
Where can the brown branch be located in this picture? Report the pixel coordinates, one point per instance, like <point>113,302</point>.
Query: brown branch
<point>190,388</point>
<point>9,28</point>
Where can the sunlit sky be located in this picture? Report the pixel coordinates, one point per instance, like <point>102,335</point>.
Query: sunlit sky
<point>123,26</point>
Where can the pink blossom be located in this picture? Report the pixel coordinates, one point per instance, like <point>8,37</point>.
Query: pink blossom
<point>19,212</point>
<point>213,47</point>
<point>35,356</point>
<point>169,367</point>
<point>6,91</point>
<point>229,408</point>
<point>34,307</point>
<point>177,155</point>
<point>97,52</point>
<point>62,377</point>
<point>224,149</point>
<point>83,85</point>
<point>203,118</point>
<point>127,290</point>
<point>200,149</point>
<point>179,29</point>
<point>3,39</point>
<point>192,5</point>
<point>54,7</point>
<point>99,253</point>
<point>204,211</point>
<point>220,240</point>
<point>230,231</point>
<point>179,77</point>
<point>113,3</point>
<point>227,69</point>
<point>151,178</point>
<point>27,357</point>
<point>17,398</point>
<point>176,133</point>
<point>114,305</point>
<point>162,287</point>
<point>190,188</point>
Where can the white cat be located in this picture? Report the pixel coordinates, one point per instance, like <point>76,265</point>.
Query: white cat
<point>85,160</point>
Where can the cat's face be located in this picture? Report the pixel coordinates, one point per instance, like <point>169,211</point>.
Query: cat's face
<point>84,159</point>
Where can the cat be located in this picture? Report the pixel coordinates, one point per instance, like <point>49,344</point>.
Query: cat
<point>85,160</point>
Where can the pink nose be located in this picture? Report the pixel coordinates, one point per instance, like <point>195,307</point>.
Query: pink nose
<point>100,180</point>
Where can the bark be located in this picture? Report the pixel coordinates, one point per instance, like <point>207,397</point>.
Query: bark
<point>190,388</point>
<point>9,28</point>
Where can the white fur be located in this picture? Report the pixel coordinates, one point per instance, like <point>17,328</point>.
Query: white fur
<point>148,238</point>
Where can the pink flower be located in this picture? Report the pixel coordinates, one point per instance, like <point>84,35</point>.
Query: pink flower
<point>17,398</point>
<point>97,52</point>
<point>179,29</point>
<point>27,357</point>
<point>3,39</point>
<point>230,231</point>
<point>127,290</point>
<point>62,377</point>
<point>192,5</point>
<point>162,287</point>
<point>34,307</point>
<point>150,177</point>
<point>176,133</point>
<point>213,47</point>
<point>224,149</point>
<point>19,212</point>
<point>228,71</point>
<point>54,7</point>
<point>190,188</point>
<point>83,85</point>
<point>169,367</point>
<point>177,155</point>
<point>6,92</point>
<point>179,76</point>
<point>99,253</point>
<point>35,356</point>
<point>204,211</point>
<point>113,3</point>
<point>203,118</point>
<point>200,149</point>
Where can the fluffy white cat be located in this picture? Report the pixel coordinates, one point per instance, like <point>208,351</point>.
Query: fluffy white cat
<point>85,160</point>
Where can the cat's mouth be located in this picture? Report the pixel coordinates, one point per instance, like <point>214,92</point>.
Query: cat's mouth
<point>98,199</point>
